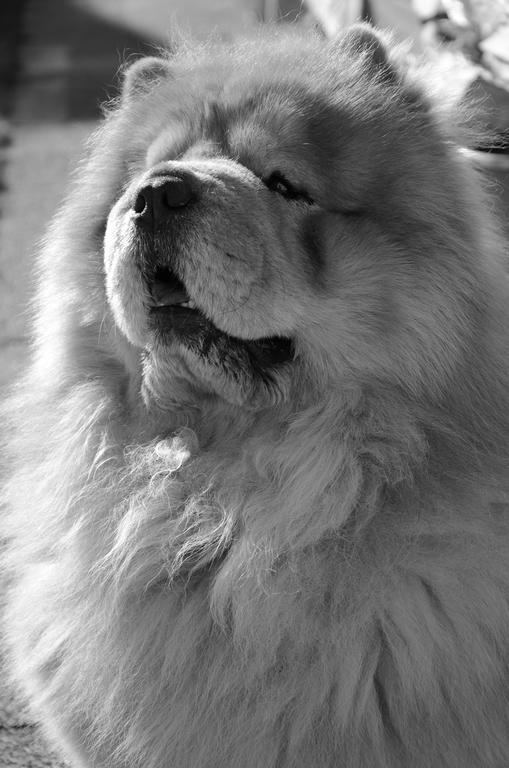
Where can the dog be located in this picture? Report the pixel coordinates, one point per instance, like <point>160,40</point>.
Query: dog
<point>256,506</point>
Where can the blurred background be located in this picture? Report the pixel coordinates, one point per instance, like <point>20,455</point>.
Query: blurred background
<point>59,60</point>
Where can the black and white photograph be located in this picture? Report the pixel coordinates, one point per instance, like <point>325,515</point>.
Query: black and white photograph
<point>254,384</point>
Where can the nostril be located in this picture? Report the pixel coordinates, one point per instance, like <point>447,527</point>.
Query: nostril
<point>140,204</point>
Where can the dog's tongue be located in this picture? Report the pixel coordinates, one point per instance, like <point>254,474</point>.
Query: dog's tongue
<point>167,289</point>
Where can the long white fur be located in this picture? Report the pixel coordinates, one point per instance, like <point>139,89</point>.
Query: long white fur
<point>324,582</point>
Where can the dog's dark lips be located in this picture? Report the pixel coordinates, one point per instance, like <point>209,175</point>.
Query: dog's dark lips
<point>173,312</point>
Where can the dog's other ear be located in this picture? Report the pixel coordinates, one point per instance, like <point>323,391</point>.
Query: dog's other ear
<point>362,40</point>
<point>143,74</point>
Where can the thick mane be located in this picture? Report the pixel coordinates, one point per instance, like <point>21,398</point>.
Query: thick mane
<point>349,477</point>
<point>320,583</point>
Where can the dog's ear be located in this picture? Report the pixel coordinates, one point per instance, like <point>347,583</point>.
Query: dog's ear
<point>140,76</point>
<point>362,40</point>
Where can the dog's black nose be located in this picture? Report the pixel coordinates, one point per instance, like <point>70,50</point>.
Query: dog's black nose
<point>158,199</point>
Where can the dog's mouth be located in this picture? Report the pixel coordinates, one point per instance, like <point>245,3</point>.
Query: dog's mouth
<point>173,314</point>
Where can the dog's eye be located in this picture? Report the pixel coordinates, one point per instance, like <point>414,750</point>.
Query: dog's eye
<point>277,183</point>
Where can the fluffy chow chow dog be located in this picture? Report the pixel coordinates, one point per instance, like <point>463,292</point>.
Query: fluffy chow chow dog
<point>257,507</point>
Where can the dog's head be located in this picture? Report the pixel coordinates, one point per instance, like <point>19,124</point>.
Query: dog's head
<point>287,211</point>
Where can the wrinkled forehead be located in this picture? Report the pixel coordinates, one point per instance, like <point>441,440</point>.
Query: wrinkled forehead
<point>251,121</point>
<point>285,119</point>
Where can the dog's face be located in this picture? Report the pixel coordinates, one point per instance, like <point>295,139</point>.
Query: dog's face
<point>252,236</point>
